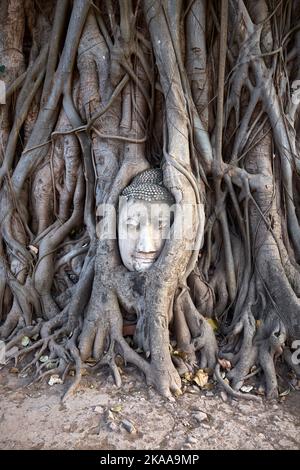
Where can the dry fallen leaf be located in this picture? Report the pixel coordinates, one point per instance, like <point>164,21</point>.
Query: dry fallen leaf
<point>201,378</point>
<point>119,361</point>
<point>55,379</point>
<point>182,354</point>
<point>25,341</point>
<point>224,363</point>
<point>285,392</point>
<point>44,358</point>
<point>116,409</point>
<point>187,376</point>
<point>246,388</point>
<point>33,249</point>
<point>51,365</point>
<point>208,386</point>
<point>90,360</point>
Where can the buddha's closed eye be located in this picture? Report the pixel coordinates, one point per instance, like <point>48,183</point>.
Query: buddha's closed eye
<point>132,224</point>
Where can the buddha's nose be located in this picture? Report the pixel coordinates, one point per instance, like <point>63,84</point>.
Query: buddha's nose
<point>146,242</point>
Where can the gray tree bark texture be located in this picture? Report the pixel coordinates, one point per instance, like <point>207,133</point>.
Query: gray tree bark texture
<point>98,91</point>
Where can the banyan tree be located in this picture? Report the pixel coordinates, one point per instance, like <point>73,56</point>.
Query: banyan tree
<point>205,95</point>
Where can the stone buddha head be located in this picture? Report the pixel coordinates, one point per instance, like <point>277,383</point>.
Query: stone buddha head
<point>145,218</point>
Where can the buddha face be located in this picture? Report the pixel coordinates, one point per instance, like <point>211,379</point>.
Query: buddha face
<point>143,227</point>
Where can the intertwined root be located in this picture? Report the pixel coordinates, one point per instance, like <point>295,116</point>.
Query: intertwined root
<point>103,340</point>
<point>108,92</point>
<point>259,345</point>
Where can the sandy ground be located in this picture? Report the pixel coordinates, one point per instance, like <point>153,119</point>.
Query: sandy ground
<point>33,417</point>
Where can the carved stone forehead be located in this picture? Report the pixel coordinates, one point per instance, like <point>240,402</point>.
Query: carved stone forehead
<point>148,186</point>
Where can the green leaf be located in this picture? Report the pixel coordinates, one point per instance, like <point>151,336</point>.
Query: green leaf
<point>213,323</point>
<point>2,68</point>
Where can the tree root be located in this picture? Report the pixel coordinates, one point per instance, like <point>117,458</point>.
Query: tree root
<point>231,392</point>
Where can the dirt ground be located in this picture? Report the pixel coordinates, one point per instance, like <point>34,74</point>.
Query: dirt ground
<point>101,416</point>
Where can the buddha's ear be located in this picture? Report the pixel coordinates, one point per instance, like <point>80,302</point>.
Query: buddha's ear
<point>122,202</point>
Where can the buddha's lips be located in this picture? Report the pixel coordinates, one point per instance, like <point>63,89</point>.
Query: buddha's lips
<point>145,259</point>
